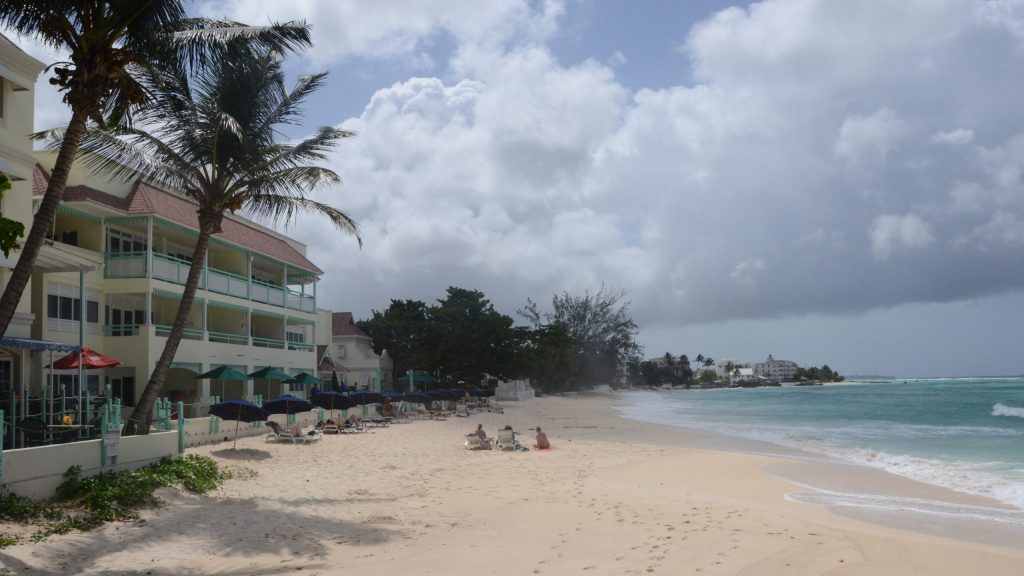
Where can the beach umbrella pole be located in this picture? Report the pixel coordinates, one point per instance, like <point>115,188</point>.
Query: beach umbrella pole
<point>235,443</point>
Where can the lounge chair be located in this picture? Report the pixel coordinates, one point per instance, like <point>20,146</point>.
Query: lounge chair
<point>475,442</point>
<point>279,434</point>
<point>506,440</point>
<point>462,410</point>
<point>494,407</point>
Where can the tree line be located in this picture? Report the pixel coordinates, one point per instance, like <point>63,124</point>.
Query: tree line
<point>681,371</point>
<point>579,342</point>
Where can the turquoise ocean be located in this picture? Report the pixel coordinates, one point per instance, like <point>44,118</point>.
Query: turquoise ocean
<point>964,434</point>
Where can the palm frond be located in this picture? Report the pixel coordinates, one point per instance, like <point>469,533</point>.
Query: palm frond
<point>276,207</point>
<point>195,39</point>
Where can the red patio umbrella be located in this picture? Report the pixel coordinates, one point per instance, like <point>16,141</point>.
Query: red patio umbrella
<point>92,359</point>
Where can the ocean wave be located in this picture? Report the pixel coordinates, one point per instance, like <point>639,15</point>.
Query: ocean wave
<point>1000,409</point>
<point>906,504</point>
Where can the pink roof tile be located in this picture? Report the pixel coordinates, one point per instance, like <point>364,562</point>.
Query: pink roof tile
<point>146,200</point>
<point>342,325</point>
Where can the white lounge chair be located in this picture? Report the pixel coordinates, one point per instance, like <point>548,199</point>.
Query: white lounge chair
<point>462,410</point>
<point>506,440</point>
<point>474,442</point>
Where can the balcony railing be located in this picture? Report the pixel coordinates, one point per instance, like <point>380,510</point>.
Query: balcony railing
<point>267,293</point>
<point>267,342</point>
<point>121,330</point>
<point>227,283</point>
<point>172,269</point>
<point>300,301</point>
<point>124,265</point>
<point>226,338</point>
<point>164,330</point>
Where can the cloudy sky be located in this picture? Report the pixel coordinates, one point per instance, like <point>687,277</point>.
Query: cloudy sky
<point>823,180</point>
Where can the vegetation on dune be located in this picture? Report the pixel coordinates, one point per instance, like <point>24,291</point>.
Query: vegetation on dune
<point>87,503</point>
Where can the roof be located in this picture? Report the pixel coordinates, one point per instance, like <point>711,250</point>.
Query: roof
<point>147,200</point>
<point>326,363</point>
<point>343,325</point>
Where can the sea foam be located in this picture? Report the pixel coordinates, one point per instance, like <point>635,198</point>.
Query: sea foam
<point>1000,409</point>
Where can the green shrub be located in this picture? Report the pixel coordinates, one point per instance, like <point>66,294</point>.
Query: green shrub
<point>87,503</point>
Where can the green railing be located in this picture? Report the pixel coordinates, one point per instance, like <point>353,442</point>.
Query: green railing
<point>227,283</point>
<point>172,269</point>
<point>300,301</point>
<point>164,330</point>
<point>125,265</point>
<point>121,329</point>
<point>226,338</point>
<point>268,293</point>
<point>299,346</point>
<point>268,342</point>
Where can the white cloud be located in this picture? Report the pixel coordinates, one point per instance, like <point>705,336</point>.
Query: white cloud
<point>399,29</point>
<point>617,59</point>
<point>868,138</point>
<point>958,137</point>
<point>892,232</point>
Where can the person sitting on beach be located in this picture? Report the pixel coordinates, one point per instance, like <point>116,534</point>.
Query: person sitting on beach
<point>388,410</point>
<point>480,432</point>
<point>542,440</point>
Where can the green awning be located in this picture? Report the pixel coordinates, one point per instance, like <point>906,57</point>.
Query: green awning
<point>173,295</point>
<point>267,314</point>
<point>226,306</point>
<point>297,320</point>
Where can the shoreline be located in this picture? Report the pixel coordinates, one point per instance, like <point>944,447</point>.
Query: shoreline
<point>861,492</point>
<point>615,496</point>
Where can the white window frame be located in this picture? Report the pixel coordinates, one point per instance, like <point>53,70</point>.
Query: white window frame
<point>55,322</point>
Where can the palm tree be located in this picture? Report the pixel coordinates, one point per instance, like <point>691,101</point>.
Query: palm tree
<point>107,40</point>
<point>215,141</point>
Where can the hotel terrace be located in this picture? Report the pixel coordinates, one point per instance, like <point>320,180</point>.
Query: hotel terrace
<point>117,259</point>
<point>255,307</point>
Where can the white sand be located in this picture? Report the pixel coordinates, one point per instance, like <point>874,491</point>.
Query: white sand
<point>613,497</point>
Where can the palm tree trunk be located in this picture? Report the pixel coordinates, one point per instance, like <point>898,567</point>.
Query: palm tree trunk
<point>42,223</point>
<point>138,422</point>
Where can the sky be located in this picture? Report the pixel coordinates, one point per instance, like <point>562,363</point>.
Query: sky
<point>821,180</point>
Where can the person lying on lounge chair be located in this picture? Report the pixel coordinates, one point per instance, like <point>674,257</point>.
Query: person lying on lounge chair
<point>542,440</point>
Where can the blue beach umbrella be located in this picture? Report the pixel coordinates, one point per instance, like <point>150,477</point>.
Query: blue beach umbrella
<point>332,401</point>
<point>240,411</point>
<point>287,404</point>
<point>363,397</point>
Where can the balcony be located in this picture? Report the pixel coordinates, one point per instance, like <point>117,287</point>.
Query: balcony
<point>175,270</point>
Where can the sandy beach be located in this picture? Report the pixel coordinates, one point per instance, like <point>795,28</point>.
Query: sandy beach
<point>614,496</point>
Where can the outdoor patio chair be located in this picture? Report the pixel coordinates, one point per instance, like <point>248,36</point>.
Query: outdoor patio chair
<point>462,410</point>
<point>506,440</point>
<point>474,442</point>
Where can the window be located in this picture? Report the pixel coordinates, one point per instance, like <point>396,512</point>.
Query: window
<point>341,351</point>
<point>69,237</point>
<point>64,308</point>
<point>119,242</point>
<point>123,388</point>
<point>124,314</point>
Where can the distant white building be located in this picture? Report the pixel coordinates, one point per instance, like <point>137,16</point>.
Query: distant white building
<point>725,366</point>
<point>778,370</point>
<point>514,390</point>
